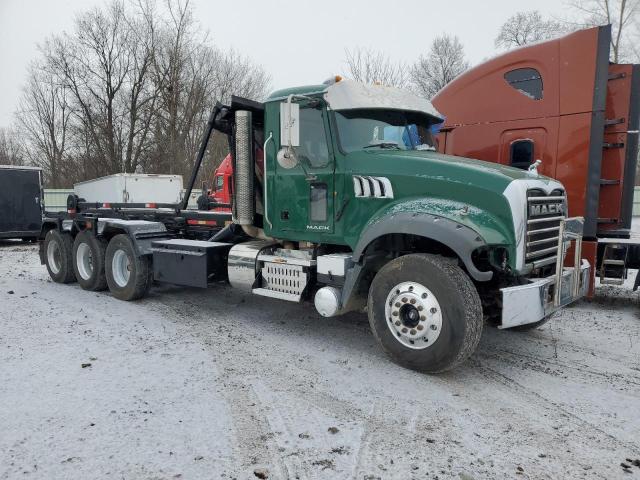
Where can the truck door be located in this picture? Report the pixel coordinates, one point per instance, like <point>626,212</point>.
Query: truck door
<point>304,194</point>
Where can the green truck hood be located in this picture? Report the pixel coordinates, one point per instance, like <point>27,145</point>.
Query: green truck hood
<point>470,192</point>
<point>428,162</point>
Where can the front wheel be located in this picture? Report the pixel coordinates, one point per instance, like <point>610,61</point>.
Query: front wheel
<point>425,312</point>
<point>129,275</point>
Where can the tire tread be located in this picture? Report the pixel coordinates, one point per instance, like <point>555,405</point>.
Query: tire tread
<point>472,308</point>
<point>143,270</point>
<point>65,239</point>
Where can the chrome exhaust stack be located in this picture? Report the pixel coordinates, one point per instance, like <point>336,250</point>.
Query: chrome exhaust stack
<point>244,197</point>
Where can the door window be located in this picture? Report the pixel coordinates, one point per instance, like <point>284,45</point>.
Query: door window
<point>313,147</point>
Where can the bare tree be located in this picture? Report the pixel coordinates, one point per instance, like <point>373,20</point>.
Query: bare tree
<point>43,118</point>
<point>129,89</point>
<point>527,27</point>
<point>623,17</point>
<point>191,76</point>
<point>105,66</point>
<point>444,62</point>
<point>370,66</point>
<point>11,150</point>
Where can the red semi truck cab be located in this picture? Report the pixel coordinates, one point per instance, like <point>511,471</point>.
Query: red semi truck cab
<point>221,186</point>
<point>561,102</point>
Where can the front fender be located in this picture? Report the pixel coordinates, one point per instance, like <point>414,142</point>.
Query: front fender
<point>459,226</point>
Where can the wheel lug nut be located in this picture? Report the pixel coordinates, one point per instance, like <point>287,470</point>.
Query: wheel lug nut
<point>412,301</point>
<point>404,330</point>
<point>433,310</point>
<point>423,318</point>
<point>404,299</point>
<point>398,323</point>
<point>419,327</point>
<point>412,332</point>
<point>398,304</point>
<point>420,308</point>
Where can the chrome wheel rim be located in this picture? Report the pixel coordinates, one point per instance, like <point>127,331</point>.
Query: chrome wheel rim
<point>53,257</point>
<point>413,315</point>
<point>121,268</point>
<point>84,261</point>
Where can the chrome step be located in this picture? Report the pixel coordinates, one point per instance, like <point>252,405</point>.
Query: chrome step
<point>614,262</point>
<point>265,292</point>
<point>613,267</point>
<point>284,274</point>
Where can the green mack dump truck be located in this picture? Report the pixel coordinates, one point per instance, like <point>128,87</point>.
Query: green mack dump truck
<point>341,199</point>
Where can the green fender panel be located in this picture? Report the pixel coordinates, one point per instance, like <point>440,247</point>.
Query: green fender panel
<point>458,237</point>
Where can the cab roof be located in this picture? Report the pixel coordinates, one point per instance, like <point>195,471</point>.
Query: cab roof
<point>351,95</point>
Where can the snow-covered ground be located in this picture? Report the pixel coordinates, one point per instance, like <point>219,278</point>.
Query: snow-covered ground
<point>215,384</point>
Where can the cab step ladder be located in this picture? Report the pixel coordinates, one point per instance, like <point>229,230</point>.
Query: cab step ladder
<point>613,269</point>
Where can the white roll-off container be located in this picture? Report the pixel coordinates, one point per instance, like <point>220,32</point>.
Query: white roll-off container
<point>131,188</point>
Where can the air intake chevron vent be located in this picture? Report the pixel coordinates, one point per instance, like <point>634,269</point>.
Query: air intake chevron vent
<point>372,187</point>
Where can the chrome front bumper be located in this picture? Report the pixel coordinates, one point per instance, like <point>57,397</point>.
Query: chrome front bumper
<point>530,303</point>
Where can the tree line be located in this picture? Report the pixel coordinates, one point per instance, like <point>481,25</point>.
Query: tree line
<point>129,89</point>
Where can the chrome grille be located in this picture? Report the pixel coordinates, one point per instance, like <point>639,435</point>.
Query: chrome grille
<point>544,214</point>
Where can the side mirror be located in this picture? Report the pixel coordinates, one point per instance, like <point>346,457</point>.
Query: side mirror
<point>289,124</point>
<point>287,158</point>
<point>289,133</point>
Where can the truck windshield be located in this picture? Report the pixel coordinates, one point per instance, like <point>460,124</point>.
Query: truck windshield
<point>391,129</point>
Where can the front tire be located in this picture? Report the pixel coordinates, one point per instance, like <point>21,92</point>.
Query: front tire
<point>89,254</point>
<point>58,247</point>
<point>425,312</point>
<point>129,276</point>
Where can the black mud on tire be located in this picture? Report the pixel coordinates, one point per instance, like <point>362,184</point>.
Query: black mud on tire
<point>462,318</point>
<point>58,248</point>
<point>140,271</point>
<point>97,281</point>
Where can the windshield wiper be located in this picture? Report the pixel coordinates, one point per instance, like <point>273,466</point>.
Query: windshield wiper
<point>384,145</point>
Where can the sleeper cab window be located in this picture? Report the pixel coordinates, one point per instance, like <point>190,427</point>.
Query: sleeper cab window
<point>527,81</point>
<point>521,154</point>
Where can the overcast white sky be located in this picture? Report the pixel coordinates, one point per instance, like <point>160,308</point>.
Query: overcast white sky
<point>297,41</point>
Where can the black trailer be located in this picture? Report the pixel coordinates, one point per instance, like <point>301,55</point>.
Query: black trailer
<point>21,202</point>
